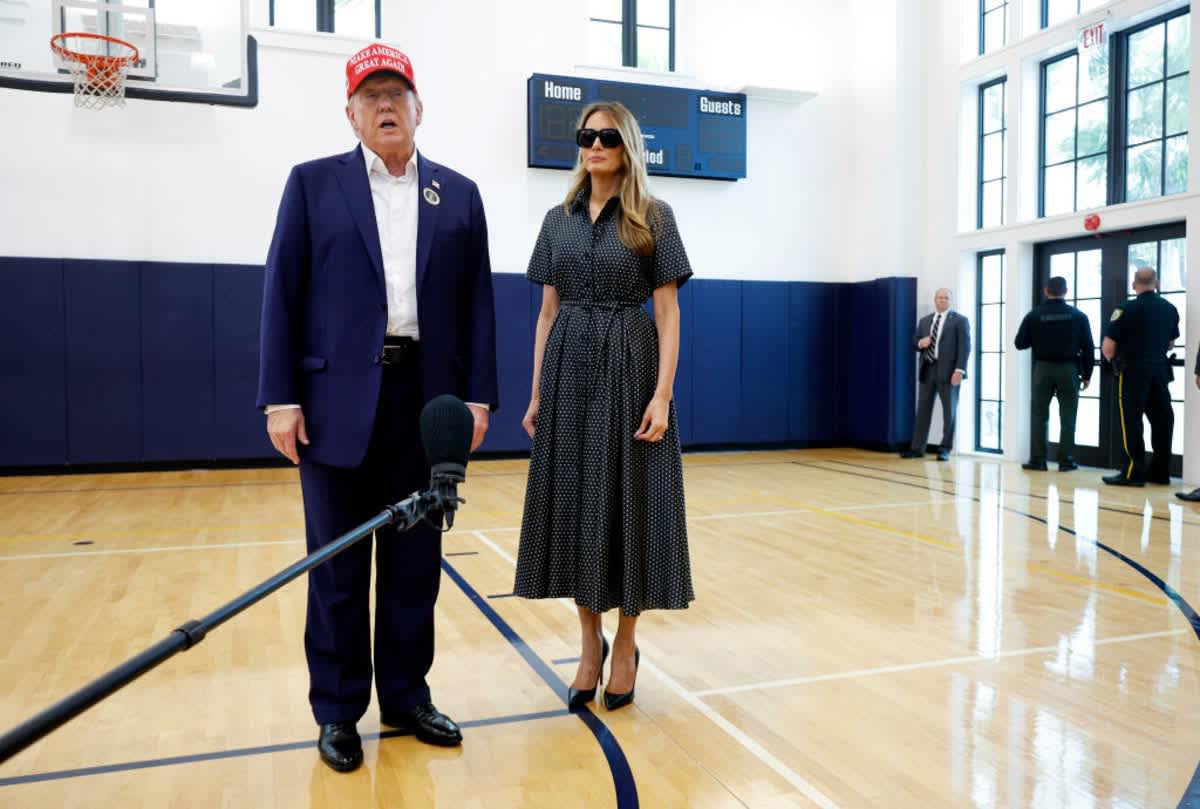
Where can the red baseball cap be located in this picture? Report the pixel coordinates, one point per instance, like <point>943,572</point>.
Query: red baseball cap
<point>371,60</point>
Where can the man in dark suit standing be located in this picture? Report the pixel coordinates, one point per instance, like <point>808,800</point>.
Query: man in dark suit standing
<point>943,341</point>
<point>377,297</point>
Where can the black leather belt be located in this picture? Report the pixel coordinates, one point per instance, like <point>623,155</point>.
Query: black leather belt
<point>398,351</point>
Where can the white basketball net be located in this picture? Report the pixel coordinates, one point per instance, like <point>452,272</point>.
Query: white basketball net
<point>99,76</point>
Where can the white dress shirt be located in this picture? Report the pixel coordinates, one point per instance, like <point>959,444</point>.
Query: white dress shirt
<point>395,201</point>
<point>939,322</point>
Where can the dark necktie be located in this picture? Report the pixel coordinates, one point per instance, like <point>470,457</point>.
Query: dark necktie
<point>930,355</point>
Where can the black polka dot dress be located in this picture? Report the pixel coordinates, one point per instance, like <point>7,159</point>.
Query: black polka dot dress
<point>604,514</point>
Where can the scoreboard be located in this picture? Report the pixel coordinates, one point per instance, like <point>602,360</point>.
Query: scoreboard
<point>688,133</point>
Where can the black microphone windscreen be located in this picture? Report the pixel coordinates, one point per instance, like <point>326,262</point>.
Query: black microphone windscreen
<point>447,427</point>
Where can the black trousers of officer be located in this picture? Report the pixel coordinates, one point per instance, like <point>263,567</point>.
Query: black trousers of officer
<point>1144,391</point>
<point>337,640</point>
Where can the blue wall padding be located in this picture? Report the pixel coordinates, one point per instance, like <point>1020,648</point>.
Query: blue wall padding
<point>716,355</point>
<point>104,361</point>
<point>765,360</point>
<point>237,300</point>
<point>33,388</point>
<point>120,361</point>
<point>177,361</point>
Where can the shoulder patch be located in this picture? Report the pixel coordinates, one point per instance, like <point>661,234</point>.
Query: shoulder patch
<point>1116,315</point>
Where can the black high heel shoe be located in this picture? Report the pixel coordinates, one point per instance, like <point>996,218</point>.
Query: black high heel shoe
<point>578,698</point>
<point>613,701</point>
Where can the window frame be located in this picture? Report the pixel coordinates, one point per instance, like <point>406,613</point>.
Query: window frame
<point>1003,130</point>
<point>326,22</point>
<point>979,304</point>
<point>983,12</point>
<point>1119,126</point>
<point>1116,191</point>
<point>629,32</point>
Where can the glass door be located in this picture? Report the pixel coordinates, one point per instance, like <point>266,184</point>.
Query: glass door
<point>1099,271</point>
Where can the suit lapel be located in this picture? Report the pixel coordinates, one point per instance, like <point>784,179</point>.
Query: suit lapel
<point>352,177</point>
<point>427,214</point>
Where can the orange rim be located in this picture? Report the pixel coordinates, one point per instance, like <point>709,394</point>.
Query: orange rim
<point>96,64</point>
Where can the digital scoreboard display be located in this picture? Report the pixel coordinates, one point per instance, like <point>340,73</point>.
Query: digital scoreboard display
<point>689,133</point>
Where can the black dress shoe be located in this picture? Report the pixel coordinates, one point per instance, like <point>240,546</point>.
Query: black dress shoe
<point>1192,497</point>
<point>614,701</point>
<point>1161,480</point>
<point>1119,479</point>
<point>340,746</point>
<point>1067,466</point>
<point>1034,467</point>
<point>944,455</point>
<point>578,697</point>
<point>911,453</point>
<point>428,724</point>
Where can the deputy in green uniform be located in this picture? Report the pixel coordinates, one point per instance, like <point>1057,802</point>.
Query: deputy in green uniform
<point>1140,333</point>
<point>1063,358</point>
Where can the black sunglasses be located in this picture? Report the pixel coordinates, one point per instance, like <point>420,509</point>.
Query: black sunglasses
<point>609,138</point>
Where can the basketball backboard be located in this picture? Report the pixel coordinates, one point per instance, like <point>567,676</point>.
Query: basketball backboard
<point>191,50</point>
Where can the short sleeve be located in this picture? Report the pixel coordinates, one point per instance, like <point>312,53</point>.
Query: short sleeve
<point>540,263</point>
<point>670,259</point>
<point>1116,324</point>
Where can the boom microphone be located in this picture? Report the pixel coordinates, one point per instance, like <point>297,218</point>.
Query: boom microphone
<point>447,427</point>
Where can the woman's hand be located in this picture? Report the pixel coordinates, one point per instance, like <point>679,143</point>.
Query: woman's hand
<point>530,420</point>
<point>655,420</point>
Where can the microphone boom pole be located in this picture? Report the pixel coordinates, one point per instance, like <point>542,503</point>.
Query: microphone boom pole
<point>404,515</point>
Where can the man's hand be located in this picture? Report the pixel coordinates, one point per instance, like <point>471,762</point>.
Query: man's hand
<point>924,343</point>
<point>284,427</point>
<point>1198,380</point>
<point>481,425</point>
<point>1083,383</point>
<point>956,379</point>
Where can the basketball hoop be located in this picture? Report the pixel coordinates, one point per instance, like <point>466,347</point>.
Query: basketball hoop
<point>99,74</point>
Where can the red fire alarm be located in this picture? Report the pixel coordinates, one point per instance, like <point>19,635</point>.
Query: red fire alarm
<point>1091,222</point>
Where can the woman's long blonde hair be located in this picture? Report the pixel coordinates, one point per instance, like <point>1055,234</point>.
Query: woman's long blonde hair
<point>637,206</point>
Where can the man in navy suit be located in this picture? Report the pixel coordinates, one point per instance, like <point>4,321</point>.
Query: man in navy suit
<point>377,298</point>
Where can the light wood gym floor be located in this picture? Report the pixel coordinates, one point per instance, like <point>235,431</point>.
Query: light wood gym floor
<point>869,632</point>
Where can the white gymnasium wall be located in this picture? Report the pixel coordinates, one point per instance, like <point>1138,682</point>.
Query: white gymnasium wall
<point>185,182</point>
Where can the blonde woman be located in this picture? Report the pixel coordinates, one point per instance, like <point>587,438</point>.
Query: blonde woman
<point>604,512</point>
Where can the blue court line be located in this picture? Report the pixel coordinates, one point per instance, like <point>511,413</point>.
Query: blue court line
<point>1191,796</point>
<point>623,783</point>
<point>250,751</point>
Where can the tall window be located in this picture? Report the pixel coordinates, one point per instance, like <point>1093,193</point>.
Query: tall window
<point>989,359</point>
<point>1074,135</point>
<point>1083,271</point>
<point>353,18</point>
<point>1056,11</point>
<point>993,24</point>
<point>633,33</point>
<point>1169,258</point>
<point>992,156</point>
<point>1156,95</point>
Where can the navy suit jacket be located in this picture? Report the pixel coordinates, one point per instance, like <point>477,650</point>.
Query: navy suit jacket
<point>324,312</point>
